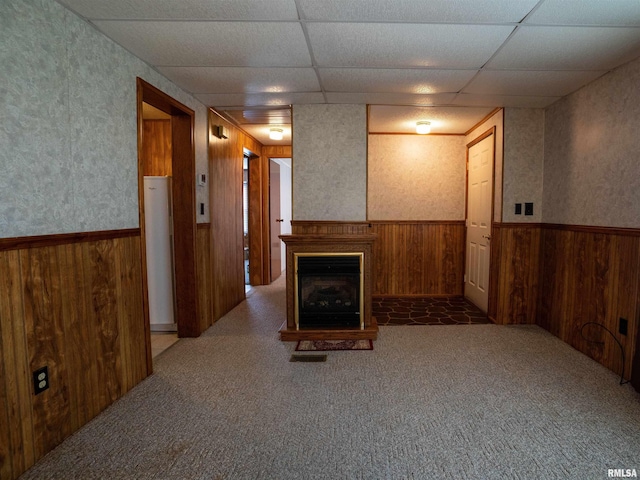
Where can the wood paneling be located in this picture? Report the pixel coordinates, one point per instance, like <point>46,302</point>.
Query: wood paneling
<point>77,309</point>
<point>635,369</point>
<point>515,263</point>
<point>184,226</point>
<point>257,259</point>
<point>277,151</point>
<point>410,258</point>
<point>310,227</point>
<point>17,243</point>
<point>227,243</point>
<point>156,147</point>
<point>205,283</point>
<point>590,276</point>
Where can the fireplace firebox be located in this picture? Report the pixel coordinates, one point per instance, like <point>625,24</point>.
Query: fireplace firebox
<point>329,287</point>
<point>329,290</point>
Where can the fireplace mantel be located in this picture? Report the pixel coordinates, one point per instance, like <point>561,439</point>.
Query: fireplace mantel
<point>322,245</point>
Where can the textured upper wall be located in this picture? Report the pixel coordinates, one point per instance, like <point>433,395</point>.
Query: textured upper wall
<point>496,120</point>
<point>416,177</point>
<point>329,162</point>
<point>591,167</point>
<point>68,126</point>
<point>523,163</point>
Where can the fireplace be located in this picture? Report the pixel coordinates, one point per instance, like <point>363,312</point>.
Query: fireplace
<point>329,287</point>
<point>329,290</point>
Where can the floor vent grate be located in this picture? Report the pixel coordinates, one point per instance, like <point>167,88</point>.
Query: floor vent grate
<point>308,358</point>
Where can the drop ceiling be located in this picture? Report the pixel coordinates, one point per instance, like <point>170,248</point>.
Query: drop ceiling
<point>437,60</point>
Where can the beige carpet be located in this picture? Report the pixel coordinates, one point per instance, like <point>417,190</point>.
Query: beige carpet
<point>432,402</point>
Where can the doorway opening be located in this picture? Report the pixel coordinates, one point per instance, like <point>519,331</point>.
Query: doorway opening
<point>182,191</point>
<point>279,212</point>
<point>158,209</point>
<point>245,220</point>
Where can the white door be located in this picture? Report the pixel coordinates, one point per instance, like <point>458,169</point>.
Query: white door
<point>480,194</point>
<point>285,205</point>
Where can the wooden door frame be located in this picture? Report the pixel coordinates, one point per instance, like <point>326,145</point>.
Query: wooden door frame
<point>184,211</point>
<point>475,141</point>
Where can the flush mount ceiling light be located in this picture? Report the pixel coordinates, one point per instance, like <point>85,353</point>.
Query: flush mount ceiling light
<point>275,134</point>
<point>423,127</point>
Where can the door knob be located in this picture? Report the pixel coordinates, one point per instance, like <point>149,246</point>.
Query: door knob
<point>488,237</point>
<point>279,220</point>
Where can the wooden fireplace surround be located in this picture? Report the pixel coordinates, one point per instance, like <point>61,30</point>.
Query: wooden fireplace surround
<point>323,244</point>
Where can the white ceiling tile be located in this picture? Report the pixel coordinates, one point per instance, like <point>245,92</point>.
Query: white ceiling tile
<point>431,11</point>
<point>390,98</point>
<point>469,99</point>
<point>243,79</point>
<point>587,12</point>
<point>419,81</point>
<point>185,9</point>
<point>223,100</point>
<point>568,48</point>
<point>211,43</point>
<point>404,45</point>
<point>545,83</point>
<point>401,119</point>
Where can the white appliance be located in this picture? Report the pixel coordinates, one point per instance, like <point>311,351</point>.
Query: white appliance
<point>159,242</point>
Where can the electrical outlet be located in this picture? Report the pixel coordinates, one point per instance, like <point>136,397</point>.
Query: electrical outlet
<point>40,380</point>
<point>528,208</point>
<point>622,326</point>
<point>518,209</point>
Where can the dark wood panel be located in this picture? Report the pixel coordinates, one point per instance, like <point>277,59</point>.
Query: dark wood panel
<point>15,360</point>
<point>45,344</point>
<point>156,147</point>
<point>589,276</point>
<point>631,232</point>
<point>64,239</point>
<point>277,151</point>
<point>514,280</point>
<point>205,289</point>
<point>309,227</point>
<point>133,331</point>
<point>635,371</point>
<point>410,258</point>
<point>255,238</point>
<point>77,309</point>
<point>418,258</point>
<point>227,244</point>
<point>184,226</point>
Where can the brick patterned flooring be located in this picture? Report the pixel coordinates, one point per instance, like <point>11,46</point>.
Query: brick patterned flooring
<point>426,311</point>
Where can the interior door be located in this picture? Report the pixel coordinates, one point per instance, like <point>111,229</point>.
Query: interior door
<point>478,241</point>
<point>275,220</point>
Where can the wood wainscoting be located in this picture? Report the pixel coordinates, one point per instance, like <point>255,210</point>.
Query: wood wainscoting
<point>204,275</point>
<point>514,278</point>
<point>72,303</point>
<point>226,156</point>
<point>591,274</point>
<point>410,258</point>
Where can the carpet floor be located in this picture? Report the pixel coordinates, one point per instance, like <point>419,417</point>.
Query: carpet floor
<point>445,402</point>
